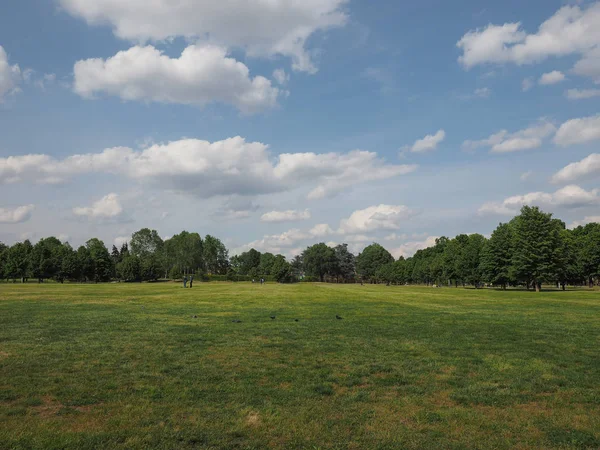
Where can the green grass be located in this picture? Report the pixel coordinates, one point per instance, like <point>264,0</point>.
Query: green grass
<point>128,366</point>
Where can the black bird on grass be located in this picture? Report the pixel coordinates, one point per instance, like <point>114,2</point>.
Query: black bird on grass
<point>338,317</point>
<point>236,321</point>
<point>296,320</point>
<point>194,317</point>
<point>272,317</point>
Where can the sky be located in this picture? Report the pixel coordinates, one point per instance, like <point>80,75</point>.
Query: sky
<point>277,124</point>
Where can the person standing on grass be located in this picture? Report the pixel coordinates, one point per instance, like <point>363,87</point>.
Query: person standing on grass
<point>191,280</point>
<point>185,281</point>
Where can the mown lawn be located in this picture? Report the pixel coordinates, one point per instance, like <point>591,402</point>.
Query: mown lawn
<point>129,366</point>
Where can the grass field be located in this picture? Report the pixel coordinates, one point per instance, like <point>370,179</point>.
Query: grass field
<point>129,366</point>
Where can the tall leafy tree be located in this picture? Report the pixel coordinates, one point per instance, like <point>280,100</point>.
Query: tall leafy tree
<point>589,251</point>
<point>103,268</point>
<point>281,269</point>
<point>248,261</point>
<point>319,261</point>
<point>345,263</point>
<point>18,260</point>
<point>371,259</point>
<point>536,243</point>
<point>496,257</point>
<point>216,256</point>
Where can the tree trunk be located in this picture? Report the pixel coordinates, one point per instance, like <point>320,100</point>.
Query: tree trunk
<point>564,287</point>
<point>538,287</point>
<point>591,282</point>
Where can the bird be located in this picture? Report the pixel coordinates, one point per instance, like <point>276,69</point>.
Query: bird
<point>195,317</point>
<point>338,317</point>
<point>296,320</point>
<point>236,321</point>
<point>272,317</point>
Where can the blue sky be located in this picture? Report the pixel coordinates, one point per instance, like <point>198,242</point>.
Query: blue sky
<point>416,87</point>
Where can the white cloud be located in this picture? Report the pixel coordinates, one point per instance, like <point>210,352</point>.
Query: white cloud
<point>321,230</point>
<point>410,248</point>
<point>236,208</point>
<point>108,207</point>
<point>285,216</point>
<point>505,142</point>
<point>428,143</point>
<point>382,217</point>
<point>261,28</point>
<point>527,84</point>
<point>585,221</point>
<point>275,243</point>
<point>585,168</point>
<point>201,75</point>
<point>526,175</point>
<point>553,77</point>
<point>205,169</point>
<point>568,197</point>
<point>589,65</point>
<point>16,215</point>
<point>570,31</point>
<point>578,131</point>
<point>281,77</point>
<point>483,92</point>
<point>581,94</point>
<point>10,76</point>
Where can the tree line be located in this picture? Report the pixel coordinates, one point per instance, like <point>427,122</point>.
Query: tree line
<point>532,249</point>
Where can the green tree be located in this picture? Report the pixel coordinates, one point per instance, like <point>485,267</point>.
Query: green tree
<point>216,256</point>
<point>102,265</point>
<point>249,260</point>
<point>345,267</point>
<point>281,269</point>
<point>46,258</point>
<point>370,260</point>
<point>130,268</point>
<point>470,260</point>
<point>266,263</point>
<point>318,261</point>
<point>18,260</point>
<point>145,242</point>
<point>496,257</point>
<point>85,264</point>
<point>184,253</point>
<point>536,246</point>
<point>588,243</point>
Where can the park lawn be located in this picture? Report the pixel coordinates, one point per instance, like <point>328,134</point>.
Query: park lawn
<point>128,366</point>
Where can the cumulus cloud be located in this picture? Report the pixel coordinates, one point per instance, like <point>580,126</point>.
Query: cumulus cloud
<point>428,143</point>
<point>236,208</point>
<point>16,215</point>
<point>585,168</point>
<point>381,217</point>
<point>205,169</point>
<point>203,74</point>
<point>572,30</point>
<point>581,94</point>
<point>261,28</point>
<point>526,175</point>
<point>285,216</point>
<point>578,131</point>
<point>483,92</point>
<point>275,243</point>
<point>10,75</point>
<point>505,142</point>
<point>281,77</point>
<point>527,84</point>
<point>108,207</point>
<point>408,249</point>
<point>321,230</point>
<point>571,196</point>
<point>553,77</point>
<point>585,221</point>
